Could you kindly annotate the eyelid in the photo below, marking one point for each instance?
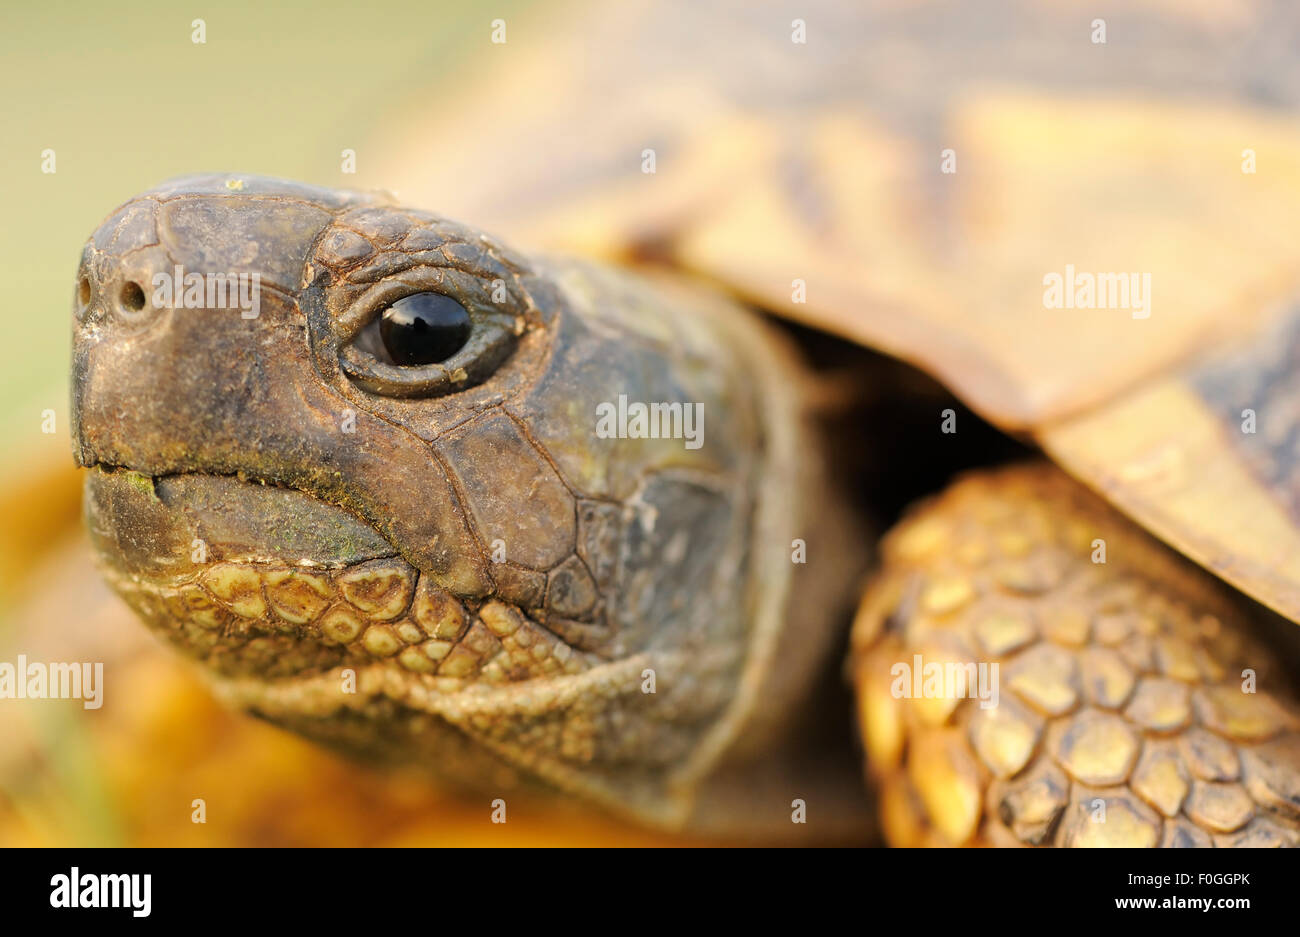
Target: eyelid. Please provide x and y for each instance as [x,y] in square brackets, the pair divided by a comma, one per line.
[365,307]
[468,290]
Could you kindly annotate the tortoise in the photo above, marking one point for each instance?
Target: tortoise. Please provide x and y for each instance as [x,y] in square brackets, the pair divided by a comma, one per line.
[600,524]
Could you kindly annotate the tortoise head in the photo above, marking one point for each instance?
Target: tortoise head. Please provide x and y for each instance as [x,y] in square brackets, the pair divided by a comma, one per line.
[361,460]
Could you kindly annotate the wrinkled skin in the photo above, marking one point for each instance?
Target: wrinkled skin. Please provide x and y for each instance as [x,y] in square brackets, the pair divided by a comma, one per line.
[448,565]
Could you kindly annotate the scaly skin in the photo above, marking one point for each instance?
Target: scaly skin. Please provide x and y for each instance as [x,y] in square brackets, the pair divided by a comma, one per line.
[1119,682]
[447,565]
[323,531]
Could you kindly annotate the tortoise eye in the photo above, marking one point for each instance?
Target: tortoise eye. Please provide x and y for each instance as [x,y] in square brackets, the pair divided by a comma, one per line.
[424,343]
[424,328]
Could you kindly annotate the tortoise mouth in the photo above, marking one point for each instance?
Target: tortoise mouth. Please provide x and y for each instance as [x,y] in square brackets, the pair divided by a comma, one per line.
[263,582]
[181,522]
[254,579]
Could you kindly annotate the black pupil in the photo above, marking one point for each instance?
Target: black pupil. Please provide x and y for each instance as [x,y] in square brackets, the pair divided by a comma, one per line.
[424,328]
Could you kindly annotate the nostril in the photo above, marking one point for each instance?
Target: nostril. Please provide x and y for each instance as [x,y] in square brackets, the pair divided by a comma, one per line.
[132,296]
[83,291]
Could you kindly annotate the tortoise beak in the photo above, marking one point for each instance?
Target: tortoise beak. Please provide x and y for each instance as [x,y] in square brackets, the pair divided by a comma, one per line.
[176,525]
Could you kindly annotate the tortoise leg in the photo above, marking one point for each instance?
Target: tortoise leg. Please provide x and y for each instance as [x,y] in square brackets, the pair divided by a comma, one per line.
[1033,669]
